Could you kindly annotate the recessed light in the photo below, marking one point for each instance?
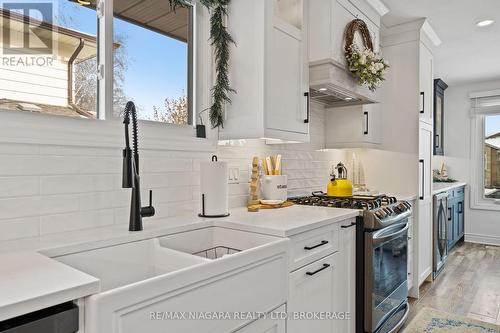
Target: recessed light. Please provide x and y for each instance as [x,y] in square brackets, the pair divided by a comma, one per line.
[348,98]
[485,23]
[322,89]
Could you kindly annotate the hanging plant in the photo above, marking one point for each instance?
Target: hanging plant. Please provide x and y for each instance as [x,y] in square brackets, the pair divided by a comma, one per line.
[367,66]
[221,40]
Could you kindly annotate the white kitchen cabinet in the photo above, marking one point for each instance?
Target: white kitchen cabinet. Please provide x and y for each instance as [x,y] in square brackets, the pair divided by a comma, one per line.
[425,240]
[269,71]
[347,274]
[426,84]
[328,20]
[324,277]
[312,289]
[354,126]
[267,325]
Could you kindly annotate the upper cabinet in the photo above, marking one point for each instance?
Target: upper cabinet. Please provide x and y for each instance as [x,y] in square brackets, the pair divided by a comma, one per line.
[439,88]
[328,20]
[358,126]
[426,71]
[351,118]
[269,71]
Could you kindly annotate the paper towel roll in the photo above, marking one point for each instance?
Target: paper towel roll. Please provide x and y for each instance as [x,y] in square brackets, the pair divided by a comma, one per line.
[214,188]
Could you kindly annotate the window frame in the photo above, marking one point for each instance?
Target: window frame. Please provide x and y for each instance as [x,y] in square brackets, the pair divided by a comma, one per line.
[478,199]
[107,131]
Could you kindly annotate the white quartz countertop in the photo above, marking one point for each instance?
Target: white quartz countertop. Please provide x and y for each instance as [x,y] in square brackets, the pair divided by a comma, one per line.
[288,221]
[443,187]
[30,280]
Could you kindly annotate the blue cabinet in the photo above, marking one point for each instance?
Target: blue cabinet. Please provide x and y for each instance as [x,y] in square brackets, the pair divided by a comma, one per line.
[456,216]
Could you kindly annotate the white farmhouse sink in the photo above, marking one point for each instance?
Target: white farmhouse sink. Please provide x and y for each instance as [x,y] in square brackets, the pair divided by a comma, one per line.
[125,264]
[214,242]
[162,275]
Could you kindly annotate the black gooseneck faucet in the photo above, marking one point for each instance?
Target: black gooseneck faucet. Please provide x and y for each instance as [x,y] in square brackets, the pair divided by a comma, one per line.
[131,177]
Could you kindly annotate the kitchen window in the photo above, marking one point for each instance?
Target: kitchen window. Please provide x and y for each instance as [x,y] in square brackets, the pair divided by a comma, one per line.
[86,59]
[486,150]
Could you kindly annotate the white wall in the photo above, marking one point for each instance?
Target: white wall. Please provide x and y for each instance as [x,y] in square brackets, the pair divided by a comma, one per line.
[480,225]
[46,189]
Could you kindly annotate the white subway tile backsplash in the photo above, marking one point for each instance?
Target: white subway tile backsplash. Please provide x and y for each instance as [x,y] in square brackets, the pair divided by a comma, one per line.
[59,165]
[18,186]
[19,165]
[19,207]
[55,204]
[77,183]
[47,189]
[162,165]
[51,224]
[20,228]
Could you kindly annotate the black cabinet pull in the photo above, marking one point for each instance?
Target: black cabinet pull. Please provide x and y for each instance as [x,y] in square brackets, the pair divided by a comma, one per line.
[325,266]
[460,207]
[422,95]
[366,123]
[315,246]
[437,141]
[449,214]
[348,226]
[423,179]
[306,95]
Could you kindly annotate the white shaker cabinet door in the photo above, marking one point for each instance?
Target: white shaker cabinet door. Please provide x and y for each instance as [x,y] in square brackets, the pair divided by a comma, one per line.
[287,101]
[347,278]
[312,290]
[424,224]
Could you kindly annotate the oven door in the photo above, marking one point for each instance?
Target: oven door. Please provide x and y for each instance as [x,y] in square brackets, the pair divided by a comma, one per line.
[386,286]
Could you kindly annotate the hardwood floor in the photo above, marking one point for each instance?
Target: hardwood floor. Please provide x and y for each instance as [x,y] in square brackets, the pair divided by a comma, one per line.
[469,285]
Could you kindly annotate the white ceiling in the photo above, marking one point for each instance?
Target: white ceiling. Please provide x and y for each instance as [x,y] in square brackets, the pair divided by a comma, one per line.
[468,53]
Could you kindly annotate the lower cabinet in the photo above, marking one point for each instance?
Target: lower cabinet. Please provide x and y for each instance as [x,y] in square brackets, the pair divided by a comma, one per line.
[266,325]
[456,218]
[347,279]
[312,290]
[326,286]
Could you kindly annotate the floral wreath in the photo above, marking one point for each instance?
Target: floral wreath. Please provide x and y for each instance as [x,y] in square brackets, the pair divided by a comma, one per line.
[368,67]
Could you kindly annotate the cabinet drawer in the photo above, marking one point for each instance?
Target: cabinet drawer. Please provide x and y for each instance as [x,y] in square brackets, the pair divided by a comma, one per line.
[458,192]
[315,244]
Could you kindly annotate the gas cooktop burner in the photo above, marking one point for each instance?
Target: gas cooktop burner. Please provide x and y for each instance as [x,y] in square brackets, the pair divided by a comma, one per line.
[355,202]
[378,211]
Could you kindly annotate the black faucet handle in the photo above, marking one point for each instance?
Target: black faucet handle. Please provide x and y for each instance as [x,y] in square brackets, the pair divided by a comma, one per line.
[148,211]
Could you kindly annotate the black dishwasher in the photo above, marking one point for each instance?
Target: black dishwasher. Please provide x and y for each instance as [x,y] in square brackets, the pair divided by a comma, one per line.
[62,318]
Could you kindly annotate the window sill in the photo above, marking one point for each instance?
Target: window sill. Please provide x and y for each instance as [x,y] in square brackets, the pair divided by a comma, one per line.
[30,128]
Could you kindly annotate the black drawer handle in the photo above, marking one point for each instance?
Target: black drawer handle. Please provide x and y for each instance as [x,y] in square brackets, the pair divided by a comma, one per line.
[325,266]
[449,214]
[306,95]
[315,246]
[422,96]
[348,226]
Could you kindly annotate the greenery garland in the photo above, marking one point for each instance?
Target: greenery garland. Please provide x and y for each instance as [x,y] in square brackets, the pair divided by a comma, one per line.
[220,40]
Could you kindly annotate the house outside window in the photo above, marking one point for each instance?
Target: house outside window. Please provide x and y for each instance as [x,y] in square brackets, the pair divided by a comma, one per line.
[486,150]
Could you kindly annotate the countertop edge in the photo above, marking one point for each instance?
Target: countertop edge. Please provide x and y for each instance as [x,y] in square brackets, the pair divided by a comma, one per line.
[446,188]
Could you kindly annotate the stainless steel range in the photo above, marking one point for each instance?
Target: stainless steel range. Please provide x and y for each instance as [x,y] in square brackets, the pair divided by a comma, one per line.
[381,258]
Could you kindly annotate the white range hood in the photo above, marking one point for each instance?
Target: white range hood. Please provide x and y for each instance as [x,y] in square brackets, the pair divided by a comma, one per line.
[332,85]
[330,81]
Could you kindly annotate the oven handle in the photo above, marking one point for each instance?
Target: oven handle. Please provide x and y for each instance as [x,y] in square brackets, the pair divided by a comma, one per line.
[398,326]
[378,240]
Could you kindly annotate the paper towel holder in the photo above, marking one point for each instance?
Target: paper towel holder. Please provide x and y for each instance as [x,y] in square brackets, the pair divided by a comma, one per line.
[202,214]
